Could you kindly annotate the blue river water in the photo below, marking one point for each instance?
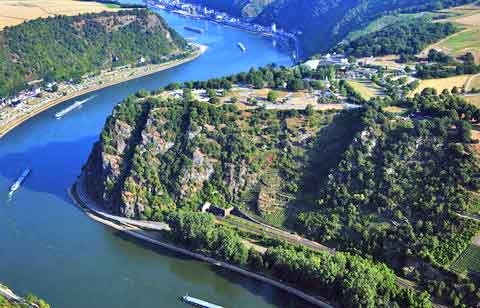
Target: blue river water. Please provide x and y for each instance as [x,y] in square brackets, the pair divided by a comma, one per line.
[50,248]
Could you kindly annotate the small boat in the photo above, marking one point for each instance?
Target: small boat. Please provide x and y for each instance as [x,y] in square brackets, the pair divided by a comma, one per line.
[242,47]
[198,302]
[73,106]
[15,186]
[194,29]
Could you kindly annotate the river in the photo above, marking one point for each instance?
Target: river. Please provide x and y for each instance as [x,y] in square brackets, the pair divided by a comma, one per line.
[49,247]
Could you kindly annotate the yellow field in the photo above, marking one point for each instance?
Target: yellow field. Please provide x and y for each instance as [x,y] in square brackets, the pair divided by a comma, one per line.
[366,88]
[474,100]
[473,83]
[14,12]
[394,109]
[443,83]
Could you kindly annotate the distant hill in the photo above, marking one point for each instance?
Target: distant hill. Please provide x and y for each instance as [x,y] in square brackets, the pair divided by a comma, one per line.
[60,48]
[323,22]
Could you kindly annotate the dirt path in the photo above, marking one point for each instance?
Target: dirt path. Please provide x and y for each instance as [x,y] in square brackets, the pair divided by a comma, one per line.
[424,53]
[469,81]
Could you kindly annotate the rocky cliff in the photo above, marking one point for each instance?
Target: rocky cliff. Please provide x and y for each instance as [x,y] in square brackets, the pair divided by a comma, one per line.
[158,153]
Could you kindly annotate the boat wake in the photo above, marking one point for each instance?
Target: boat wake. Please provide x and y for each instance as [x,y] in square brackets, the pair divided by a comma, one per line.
[72,107]
[16,185]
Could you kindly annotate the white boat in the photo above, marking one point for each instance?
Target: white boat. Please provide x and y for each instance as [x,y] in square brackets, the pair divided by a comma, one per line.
[242,47]
[73,106]
[15,186]
[198,302]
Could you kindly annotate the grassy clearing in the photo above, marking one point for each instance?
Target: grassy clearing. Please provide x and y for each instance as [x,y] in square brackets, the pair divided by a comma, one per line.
[467,40]
[474,100]
[469,261]
[462,42]
[366,88]
[14,12]
[394,109]
[442,83]
[474,83]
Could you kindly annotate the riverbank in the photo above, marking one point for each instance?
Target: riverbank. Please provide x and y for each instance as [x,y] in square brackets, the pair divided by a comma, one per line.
[135,229]
[13,298]
[131,74]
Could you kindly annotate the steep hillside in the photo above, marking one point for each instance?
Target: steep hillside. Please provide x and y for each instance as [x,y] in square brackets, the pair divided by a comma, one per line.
[159,154]
[364,181]
[60,48]
[324,23]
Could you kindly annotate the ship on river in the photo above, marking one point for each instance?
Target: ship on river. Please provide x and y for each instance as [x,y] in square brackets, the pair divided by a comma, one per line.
[194,29]
[242,47]
[16,185]
[198,302]
[73,106]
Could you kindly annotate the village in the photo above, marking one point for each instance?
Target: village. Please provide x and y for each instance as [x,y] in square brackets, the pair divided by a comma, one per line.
[41,94]
[245,23]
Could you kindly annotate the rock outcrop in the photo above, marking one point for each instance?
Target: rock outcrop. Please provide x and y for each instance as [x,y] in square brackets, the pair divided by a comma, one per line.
[159,153]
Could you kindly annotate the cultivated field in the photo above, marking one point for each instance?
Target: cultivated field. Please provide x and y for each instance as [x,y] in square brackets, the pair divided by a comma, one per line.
[366,88]
[442,83]
[14,12]
[469,261]
[467,40]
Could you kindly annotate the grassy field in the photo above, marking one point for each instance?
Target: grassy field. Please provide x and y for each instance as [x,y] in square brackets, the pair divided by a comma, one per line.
[442,83]
[462,42]
[366,88]
[394,109]
[473,83]
[474,100]
[467,40]
[469,261]
[14,12]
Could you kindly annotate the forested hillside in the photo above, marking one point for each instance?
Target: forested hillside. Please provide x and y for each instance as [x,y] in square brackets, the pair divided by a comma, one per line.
[364,181]
[60,48]
[403,38]
[324,23]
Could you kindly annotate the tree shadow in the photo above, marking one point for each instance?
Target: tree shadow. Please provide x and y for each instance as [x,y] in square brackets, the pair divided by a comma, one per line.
[270,294]
[330,144]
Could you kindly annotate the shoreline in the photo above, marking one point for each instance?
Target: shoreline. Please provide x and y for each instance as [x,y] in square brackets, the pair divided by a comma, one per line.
[161,67]
[135,231]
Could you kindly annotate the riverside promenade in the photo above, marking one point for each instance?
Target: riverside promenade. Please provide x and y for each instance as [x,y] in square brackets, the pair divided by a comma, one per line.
[137,229]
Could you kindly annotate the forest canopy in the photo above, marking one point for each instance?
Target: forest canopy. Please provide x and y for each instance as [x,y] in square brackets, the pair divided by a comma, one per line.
[63,48]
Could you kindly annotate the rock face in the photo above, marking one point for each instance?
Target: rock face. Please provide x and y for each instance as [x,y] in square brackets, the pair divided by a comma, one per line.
[159,153]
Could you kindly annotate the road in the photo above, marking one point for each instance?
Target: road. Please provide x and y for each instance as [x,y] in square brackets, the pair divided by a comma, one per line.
[133,228]
[131,225]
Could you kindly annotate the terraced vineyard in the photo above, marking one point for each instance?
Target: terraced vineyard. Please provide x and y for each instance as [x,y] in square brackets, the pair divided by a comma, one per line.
[469,261]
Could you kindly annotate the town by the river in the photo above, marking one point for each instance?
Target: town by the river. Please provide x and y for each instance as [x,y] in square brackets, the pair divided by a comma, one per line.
[49,247]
